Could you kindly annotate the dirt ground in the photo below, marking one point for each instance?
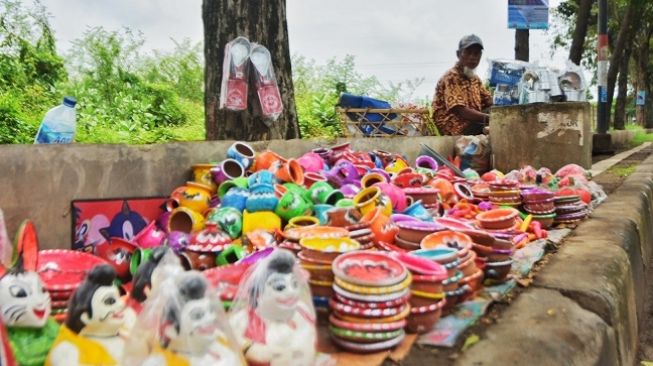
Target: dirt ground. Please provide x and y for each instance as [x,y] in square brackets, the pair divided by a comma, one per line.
[430,356]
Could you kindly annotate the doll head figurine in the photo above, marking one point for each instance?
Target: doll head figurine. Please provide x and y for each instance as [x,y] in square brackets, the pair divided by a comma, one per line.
[96,308]
[142,281]
[183,320]
[24,301]
[273,315]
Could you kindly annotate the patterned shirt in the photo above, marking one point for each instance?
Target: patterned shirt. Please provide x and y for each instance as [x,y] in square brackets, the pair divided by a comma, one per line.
[455,89]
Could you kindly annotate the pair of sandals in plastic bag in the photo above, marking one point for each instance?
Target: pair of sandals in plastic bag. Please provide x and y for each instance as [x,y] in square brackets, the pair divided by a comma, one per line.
[239,53]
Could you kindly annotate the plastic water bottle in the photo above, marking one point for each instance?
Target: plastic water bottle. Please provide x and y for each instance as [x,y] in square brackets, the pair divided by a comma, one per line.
[59,124]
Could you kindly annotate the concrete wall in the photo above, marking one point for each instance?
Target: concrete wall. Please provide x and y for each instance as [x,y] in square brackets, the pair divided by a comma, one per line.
[40,181]
[586,306]
[541,135]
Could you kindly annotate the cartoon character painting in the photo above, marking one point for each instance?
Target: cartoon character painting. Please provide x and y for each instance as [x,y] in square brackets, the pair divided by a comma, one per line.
[125,224]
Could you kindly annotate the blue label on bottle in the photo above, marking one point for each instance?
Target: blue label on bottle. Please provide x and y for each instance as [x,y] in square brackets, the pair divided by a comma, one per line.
[47,136]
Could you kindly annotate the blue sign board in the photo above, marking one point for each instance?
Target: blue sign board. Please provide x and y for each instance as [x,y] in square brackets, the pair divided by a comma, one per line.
[641,97]
[528,14]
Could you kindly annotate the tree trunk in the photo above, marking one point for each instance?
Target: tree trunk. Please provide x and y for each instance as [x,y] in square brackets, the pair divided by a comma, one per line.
[619,46]
[620,108]
[643,80]
[521,44]
[263,22]
[580,32]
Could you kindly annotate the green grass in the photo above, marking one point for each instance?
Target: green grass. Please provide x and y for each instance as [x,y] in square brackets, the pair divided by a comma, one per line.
[623,170]
[641,137]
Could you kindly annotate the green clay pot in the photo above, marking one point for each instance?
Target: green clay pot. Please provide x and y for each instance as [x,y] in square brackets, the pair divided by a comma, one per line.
[299,189]
[227,185]
[292,204]
[229,219]
[231,255]
[319,191]
[345,202]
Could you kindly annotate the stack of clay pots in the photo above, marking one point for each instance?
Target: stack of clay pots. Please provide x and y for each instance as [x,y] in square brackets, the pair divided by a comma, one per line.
[570,209]
[448,258]
[349,218]
[493,255]
[505,193]
[411,233]
[370,305]
[499,223]
[427,293]
[540,203]
[319,248]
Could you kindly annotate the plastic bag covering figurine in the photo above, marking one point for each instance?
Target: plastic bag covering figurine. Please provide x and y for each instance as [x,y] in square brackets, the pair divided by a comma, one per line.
[273,316]
[235,75]
[91,333]
[266,83]
[26,310]
[183,323]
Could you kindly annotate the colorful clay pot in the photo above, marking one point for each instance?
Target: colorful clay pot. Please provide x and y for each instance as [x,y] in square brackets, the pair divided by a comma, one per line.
[202,174]
[162,221]
[397,196]
[370,198]
[369,268]
[346,203]
[319,189]
[228,169]
[320,212]
[498,271]
[242,153]
[118,252]
[227,185]
[422,319]
[408,180]
[383,229]
[210,239]
[322,249]
[139,256]
[261,198]
[311,178]
[428,196]
[373,178]
[454,224]
[198,261]
[292,204]
[342,173]
[324,152]
[415,231]
[261,178]
[311,162]
[349,190]
[426,162]
[323,232]
[463,191]
[497,219]
[446,238]
[229,219]
[406,245]
[318,272]
[185,220]
[545,220]
[268,160]
[195,196]
[236,197]
[151,236]
[291,171]
[303,221]
[231,255]
[396,166]
[445,187]
[418,211]
[262,220]
[343,217]
[178,240]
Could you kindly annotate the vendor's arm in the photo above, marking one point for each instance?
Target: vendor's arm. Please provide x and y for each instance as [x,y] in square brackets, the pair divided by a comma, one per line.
[486,99]
[471,115]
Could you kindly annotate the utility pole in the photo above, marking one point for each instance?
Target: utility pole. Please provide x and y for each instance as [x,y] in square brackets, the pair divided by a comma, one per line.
[602,140]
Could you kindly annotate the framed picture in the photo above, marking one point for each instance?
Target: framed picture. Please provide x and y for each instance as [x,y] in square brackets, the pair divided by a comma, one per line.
[94,221]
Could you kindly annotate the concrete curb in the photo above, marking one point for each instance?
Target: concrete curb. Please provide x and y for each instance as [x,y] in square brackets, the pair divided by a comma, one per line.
[594,288]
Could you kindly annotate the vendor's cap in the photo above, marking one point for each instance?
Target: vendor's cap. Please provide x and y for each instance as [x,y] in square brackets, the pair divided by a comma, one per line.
[470,40]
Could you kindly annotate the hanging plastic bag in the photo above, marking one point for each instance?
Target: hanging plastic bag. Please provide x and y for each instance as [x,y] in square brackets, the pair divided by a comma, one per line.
[235,75]
[265,83]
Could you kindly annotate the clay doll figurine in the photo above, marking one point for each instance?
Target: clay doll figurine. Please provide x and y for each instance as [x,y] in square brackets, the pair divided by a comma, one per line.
[273,316]
[91,333]
[26,312]
[183,323]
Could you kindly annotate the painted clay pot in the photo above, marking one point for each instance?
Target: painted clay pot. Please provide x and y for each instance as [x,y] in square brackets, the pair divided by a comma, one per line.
[236,197]
[199,261]
[418,211]
[343,217]
[499,255]
[178,240]
[228,169]
[371,179]
[321,288]
[151,236]
[463,191]
[448,257]
[383,229]
[406,245]
[543,207]
[342,173]
[324,232]
[162,221]
[319,190]
[426,162]
[338,150]
[415,231]
[311,178]
[258,240]
[202,174]
[139,256]
[397,196]
[262,178]
[242,153]
[449,239]
[497,219]
[311,162]
[479,237]
[118,252]
[262,220]
[268,160]
[324,152]
[370,198]
[291,171]
[196,197]
[303,221]
[227,185]
[349,190]
[545,220]
[369,268]
[211,239]
[185,220]
[292,204]
[231,255]
[428,196]
[318,272]
[408,180]
[229,219]
[397,165]
[474,281]
[422,319]
[498,271]
[536,195]
[346,203]
[453,224]
[261,198]
[468,264]
[327,250]
[445,187]
[320,212]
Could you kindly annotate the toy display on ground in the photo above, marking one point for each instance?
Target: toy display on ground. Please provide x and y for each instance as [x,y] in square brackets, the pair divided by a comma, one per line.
[320,259]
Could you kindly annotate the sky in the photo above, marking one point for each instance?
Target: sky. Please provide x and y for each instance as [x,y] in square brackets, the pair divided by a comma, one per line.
[392,40]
